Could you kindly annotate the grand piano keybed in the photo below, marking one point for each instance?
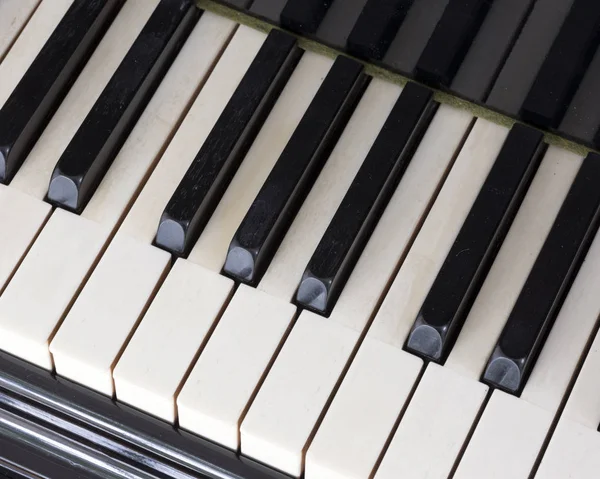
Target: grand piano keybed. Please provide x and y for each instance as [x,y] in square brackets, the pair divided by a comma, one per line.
[225,254]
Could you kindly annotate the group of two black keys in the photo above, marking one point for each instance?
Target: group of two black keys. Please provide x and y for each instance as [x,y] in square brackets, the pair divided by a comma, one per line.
[96,143]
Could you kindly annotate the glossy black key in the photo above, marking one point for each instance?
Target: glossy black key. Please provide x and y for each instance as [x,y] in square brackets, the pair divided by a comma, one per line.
[292,177]
[564,66]
[458,282]
[90,153]
[376,27]
[548,282]
[212,169]
[365,200]
[304,16]
[48,79]
[451,40]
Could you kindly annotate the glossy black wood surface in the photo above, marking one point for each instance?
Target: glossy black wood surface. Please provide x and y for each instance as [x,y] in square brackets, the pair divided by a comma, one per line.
[376,27]
[360,210]
[48,79]
[98,140]
[548,283]
[304,16]
[563,68]
[459,280]
[212,169]
[451,40]
[54,413]
[281,196]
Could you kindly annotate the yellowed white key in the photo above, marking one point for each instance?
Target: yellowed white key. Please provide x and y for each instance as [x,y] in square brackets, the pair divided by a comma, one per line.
[240,373]
[211,249]
[14,15]
[29,43]
[379,367]
[440,431]
[295,391]
[92,335]
[37,270]
[574,449]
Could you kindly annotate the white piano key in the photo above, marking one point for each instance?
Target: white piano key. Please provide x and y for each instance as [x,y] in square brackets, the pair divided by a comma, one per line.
[212,246]
[215,396]
[290,400]
[29,43]
[431,435]
[130,270]
[276,415]
[142,220]
[25,215]
[14,15]
[372,414]
[354,432]
[506,441]
[574,448]
[35,300]
[583,405]
[90,338]
[278,284]
[573,452]
[176,325]
[419,269]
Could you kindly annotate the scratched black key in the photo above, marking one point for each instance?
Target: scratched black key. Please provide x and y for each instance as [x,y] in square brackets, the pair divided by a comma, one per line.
[548,282]
[458,282]
[290,180]
[304,16]
[90,153]
[451,40]
[49,77]
[365,200]
[376,27]
[210,173]
[564,66]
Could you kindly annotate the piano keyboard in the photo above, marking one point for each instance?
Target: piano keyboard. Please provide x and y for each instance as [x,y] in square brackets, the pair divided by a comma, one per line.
[226,256]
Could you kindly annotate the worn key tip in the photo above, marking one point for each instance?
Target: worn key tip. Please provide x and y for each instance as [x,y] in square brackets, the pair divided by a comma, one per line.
[64,191]
[3,158]
[503,373]
[240,264]
[170,236]
[313,293]
[426,341]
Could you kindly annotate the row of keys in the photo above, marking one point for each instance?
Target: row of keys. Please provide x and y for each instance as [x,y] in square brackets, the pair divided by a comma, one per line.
[399,210]
[534,60]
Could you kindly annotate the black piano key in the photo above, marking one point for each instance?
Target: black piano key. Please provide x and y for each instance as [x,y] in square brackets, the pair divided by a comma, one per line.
[565,65]
[90,153]
[211,171]
[365,200]
[48,79]
[304,16]
[548,282]
[292,177]
[451,40]
[376,27]
[458,282]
